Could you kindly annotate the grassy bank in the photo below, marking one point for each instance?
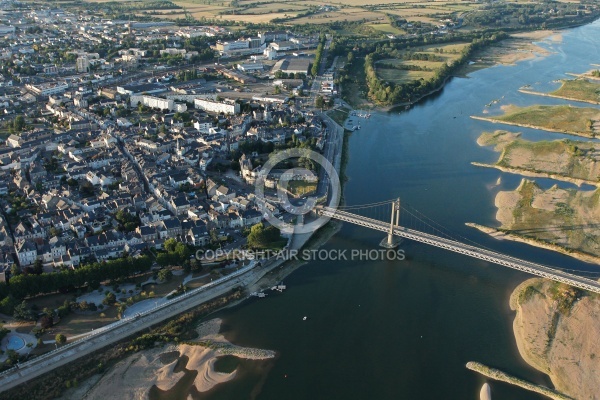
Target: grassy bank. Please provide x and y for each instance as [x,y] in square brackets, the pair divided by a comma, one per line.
[566,160]
[577,89]
[564,119]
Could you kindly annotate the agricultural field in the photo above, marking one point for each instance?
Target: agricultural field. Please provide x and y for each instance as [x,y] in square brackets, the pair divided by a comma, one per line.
[374,13]
[400,76]
[391,14]
[406,70]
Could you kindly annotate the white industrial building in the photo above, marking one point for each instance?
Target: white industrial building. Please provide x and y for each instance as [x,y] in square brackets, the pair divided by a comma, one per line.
[48,89]
[251,67]
[226,107]
[157,102]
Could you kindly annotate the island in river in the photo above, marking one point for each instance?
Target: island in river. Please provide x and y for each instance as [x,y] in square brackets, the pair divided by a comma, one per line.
[566,160]
[557,328]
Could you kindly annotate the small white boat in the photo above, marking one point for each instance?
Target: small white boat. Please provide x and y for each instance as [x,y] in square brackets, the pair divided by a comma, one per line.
[305,318]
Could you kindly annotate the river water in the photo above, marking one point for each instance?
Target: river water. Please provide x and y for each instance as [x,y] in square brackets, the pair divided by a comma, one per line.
[405,329]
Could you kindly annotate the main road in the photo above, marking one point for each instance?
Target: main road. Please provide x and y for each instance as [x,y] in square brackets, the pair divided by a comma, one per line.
[126,327]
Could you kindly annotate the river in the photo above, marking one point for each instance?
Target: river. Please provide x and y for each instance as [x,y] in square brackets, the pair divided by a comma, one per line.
[405,329]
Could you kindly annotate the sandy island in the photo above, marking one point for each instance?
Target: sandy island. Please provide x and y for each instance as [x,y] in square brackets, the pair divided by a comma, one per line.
[557,329]
[519,47]
[562,220]
[138,373]
[576,162]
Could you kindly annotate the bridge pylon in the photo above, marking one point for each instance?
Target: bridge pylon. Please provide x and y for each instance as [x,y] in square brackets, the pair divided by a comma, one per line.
[390,241]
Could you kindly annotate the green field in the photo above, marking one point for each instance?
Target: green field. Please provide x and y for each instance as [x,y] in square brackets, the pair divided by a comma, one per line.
[386,28]
[567,119]
[579,89]
[401,76]
[339,115]
[447,52]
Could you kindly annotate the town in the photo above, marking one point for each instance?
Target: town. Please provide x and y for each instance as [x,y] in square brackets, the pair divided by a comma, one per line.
[139,136]
[167,165]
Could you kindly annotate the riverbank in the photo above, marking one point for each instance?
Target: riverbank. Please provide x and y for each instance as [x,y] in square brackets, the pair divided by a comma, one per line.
[501,234]
[557,332]
[52,384]
[532,174]
[527,125]
[518,47]
[562,220]
[556,96]
[163,368]
[565,160]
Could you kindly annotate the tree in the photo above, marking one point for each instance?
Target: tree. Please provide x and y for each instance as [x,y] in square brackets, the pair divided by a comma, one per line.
[319,102]
[170,245]
[165,275]
[60,339]
[46,322]
[19,123]
[38,267]
[109,299]
[261,237]
[165,259]
[214,236]
[22,311]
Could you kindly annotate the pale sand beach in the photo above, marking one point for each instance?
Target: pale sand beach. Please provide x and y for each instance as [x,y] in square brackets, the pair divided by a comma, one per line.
[558,332]
[137,374]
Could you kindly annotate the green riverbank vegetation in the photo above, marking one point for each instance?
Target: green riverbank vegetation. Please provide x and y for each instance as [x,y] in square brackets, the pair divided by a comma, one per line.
[564,118]
[566,218]
[568,160]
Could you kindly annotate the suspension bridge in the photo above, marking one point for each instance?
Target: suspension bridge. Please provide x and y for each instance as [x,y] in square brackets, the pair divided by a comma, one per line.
[443,238]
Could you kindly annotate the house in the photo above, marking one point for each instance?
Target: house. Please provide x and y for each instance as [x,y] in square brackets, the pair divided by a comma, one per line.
[225,192]
[57,247]
[198,236]
[251,217]
[172,227]
[180,205]
[147,233]
[14,141]
[26,252]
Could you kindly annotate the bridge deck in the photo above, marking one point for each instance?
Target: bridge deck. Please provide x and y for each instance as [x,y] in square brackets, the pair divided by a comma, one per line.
[471,251]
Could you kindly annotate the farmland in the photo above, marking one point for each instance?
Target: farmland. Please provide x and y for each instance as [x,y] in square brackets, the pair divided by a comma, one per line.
[418,63]
[375,14]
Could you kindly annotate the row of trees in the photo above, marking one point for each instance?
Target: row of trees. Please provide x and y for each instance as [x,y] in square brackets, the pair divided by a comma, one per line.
[423,57]
[404,67]
[22,286]
[318,56]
